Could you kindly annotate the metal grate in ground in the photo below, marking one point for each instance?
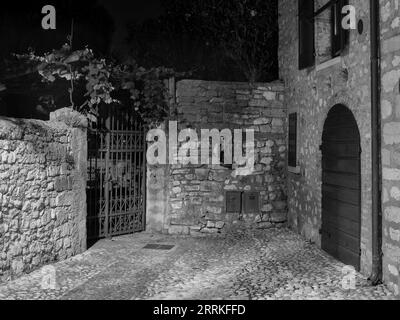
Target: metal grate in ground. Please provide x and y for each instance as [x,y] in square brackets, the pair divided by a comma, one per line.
[163,247]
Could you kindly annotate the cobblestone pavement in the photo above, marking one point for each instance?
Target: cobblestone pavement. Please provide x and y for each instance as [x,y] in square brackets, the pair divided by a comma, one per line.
[259,265]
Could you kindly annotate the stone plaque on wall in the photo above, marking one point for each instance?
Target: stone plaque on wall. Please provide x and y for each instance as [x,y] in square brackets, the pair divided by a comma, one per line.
[251,202]
[233,202]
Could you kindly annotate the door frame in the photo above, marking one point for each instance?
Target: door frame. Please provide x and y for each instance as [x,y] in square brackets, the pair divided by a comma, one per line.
[360,190]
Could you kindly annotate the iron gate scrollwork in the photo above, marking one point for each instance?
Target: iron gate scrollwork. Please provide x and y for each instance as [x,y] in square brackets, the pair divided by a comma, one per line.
[116,175]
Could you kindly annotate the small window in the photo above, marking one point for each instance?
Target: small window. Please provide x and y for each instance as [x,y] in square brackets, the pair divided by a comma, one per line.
[324,29]
[222,161]
[321,35]
[293,140]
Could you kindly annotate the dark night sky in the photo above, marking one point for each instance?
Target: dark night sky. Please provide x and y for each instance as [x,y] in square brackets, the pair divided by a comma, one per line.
[124,11]
[24,33]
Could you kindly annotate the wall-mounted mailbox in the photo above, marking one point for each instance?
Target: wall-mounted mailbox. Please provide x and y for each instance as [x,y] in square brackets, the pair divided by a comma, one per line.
[251,202]
[233,202]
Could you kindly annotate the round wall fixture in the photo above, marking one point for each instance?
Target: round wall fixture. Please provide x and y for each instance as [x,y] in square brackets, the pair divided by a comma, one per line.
[360,26]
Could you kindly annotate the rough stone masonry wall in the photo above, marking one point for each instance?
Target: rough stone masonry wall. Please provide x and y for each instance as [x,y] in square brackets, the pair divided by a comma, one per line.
[42,191]
[390,27]
[197,193]
[312,93]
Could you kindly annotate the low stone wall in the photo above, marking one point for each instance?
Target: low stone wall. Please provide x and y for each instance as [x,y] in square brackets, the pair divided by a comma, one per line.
[196,197]
[42,191]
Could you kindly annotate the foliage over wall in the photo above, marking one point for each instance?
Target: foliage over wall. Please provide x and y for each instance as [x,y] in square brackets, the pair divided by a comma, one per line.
[93,81]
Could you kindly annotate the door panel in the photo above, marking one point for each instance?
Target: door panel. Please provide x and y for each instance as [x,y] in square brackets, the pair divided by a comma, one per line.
[340,194]
[336,208]
[341,187]
[341,180]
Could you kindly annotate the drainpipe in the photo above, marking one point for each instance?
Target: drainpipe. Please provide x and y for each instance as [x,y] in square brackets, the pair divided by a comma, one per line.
[376,276]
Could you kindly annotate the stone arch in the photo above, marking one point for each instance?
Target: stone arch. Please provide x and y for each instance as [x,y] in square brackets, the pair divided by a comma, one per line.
[341,98]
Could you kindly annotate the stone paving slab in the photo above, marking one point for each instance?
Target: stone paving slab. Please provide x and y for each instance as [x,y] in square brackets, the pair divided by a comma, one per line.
[253,265]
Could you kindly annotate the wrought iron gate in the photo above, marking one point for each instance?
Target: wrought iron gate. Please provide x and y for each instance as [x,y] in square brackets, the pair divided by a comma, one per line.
[116,175]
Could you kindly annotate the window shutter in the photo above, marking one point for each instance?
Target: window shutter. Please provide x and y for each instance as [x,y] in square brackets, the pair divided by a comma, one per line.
[345,39]
[340,36]
[293,140]
[306,34]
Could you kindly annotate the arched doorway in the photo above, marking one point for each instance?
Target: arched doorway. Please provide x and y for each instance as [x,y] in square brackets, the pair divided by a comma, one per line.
[341,187]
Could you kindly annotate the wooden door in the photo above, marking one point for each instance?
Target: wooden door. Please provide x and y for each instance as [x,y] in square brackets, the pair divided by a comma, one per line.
[341,187]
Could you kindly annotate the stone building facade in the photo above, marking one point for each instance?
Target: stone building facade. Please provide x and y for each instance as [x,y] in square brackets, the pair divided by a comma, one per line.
[200,199]
[42,191]
[344,80]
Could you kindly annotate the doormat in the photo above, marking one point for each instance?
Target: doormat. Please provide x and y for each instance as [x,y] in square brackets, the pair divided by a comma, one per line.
[163,247]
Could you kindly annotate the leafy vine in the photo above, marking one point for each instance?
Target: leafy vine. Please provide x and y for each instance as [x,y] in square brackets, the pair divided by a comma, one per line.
[105,82]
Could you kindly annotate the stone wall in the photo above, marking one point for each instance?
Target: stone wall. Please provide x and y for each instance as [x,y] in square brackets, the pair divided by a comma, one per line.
[195,201]
[312,93]
[390,19]
[42,191]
